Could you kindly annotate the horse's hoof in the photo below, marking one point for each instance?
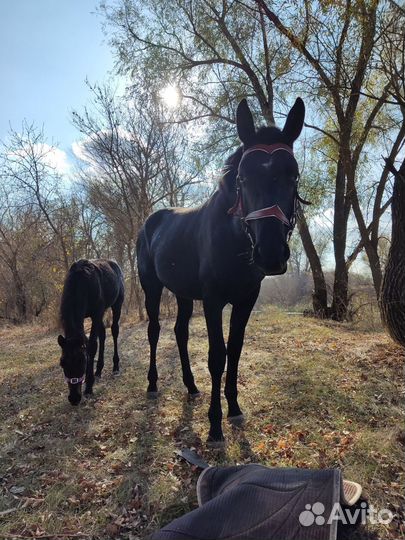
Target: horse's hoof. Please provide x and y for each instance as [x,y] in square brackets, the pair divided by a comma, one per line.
[97,378]
[152,395]
[194,395]
[237,420]
[215,443]
[116,373]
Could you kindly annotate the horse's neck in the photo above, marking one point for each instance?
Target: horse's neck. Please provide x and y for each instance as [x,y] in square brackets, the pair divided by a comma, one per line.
[73,312]
[73,328]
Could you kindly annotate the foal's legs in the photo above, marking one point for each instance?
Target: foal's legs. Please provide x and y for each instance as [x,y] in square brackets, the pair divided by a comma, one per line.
[116,312]
[100,361]
[153,293]
[239,318]
[216,365]
[91,352]
[184,312]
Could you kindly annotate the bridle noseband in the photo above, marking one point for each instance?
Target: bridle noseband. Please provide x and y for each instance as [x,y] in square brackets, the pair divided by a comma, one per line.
[270,211]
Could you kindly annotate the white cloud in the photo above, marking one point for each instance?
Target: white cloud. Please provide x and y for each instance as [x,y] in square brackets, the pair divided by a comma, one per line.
[49,155]
[79,150]
[79,147]
[56,158]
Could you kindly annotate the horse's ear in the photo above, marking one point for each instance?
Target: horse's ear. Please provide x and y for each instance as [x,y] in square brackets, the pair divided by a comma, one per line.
[295,121]
[245,123]
[61,341]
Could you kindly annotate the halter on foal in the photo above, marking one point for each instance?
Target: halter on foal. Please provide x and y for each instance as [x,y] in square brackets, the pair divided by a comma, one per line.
[221,251]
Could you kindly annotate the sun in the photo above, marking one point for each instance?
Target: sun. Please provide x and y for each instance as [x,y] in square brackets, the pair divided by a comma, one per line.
[170,96]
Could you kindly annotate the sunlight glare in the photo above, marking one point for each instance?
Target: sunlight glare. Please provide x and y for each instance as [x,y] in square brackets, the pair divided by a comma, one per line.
[170,96]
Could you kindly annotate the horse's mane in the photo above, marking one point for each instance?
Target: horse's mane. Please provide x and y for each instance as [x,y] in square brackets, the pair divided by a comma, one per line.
[229,171]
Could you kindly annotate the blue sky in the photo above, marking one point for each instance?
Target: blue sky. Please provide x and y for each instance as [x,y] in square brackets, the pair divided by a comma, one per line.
[47,49]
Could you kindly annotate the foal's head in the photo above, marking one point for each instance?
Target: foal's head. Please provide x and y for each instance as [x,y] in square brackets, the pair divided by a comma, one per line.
[73,362]
[267,182]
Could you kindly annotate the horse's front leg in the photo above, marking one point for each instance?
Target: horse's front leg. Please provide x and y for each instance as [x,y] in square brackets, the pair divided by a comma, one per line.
[185,310]
[216,365]
[100,361]
[239,318]
[91,353]
[115,330]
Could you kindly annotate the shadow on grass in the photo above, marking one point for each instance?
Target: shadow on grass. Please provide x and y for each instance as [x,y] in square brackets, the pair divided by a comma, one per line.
[148,479]
[246,452]
[306,396]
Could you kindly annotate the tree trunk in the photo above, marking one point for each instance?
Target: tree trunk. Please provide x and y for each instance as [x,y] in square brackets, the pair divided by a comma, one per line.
[340,302]
[371,248]
[20,298]
[320,294]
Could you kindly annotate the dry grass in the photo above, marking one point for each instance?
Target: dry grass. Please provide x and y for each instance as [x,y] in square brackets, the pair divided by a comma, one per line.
[316,394]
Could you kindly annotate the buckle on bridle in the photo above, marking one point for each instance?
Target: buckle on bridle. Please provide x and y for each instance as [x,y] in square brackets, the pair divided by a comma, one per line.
[75,380]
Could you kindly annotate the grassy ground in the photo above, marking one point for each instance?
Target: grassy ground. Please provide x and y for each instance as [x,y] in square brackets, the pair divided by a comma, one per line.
[316,394]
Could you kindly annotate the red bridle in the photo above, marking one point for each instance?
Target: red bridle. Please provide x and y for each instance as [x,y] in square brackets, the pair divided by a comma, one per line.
[270,211]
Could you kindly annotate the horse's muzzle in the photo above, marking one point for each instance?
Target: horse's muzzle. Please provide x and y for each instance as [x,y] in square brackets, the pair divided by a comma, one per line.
[271,265]
[75,394]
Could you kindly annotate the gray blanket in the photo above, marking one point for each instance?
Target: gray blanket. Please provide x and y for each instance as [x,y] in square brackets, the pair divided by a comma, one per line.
[260,503]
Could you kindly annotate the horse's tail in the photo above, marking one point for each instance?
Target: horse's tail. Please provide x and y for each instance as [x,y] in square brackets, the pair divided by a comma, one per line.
[143,244]
[120,274]
[143,255]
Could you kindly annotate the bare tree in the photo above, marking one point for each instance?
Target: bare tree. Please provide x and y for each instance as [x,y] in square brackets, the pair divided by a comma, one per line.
[132,162]
[27,164]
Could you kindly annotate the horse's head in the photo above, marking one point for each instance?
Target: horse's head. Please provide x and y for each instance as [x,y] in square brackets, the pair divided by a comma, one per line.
[73,362]
[267,186]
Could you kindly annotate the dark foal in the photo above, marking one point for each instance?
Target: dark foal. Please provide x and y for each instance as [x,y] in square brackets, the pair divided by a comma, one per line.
[221,251]
[90,288]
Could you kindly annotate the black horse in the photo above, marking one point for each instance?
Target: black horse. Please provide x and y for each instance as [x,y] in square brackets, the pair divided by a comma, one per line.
[221,251]
[90,288]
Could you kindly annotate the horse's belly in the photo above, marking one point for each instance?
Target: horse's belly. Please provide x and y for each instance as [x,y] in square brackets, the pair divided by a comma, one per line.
[182,280]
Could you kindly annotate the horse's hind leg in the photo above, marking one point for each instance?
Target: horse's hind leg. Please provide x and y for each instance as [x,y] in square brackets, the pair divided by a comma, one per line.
[153,293]
[185,310]
[115,329]
[100,360]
